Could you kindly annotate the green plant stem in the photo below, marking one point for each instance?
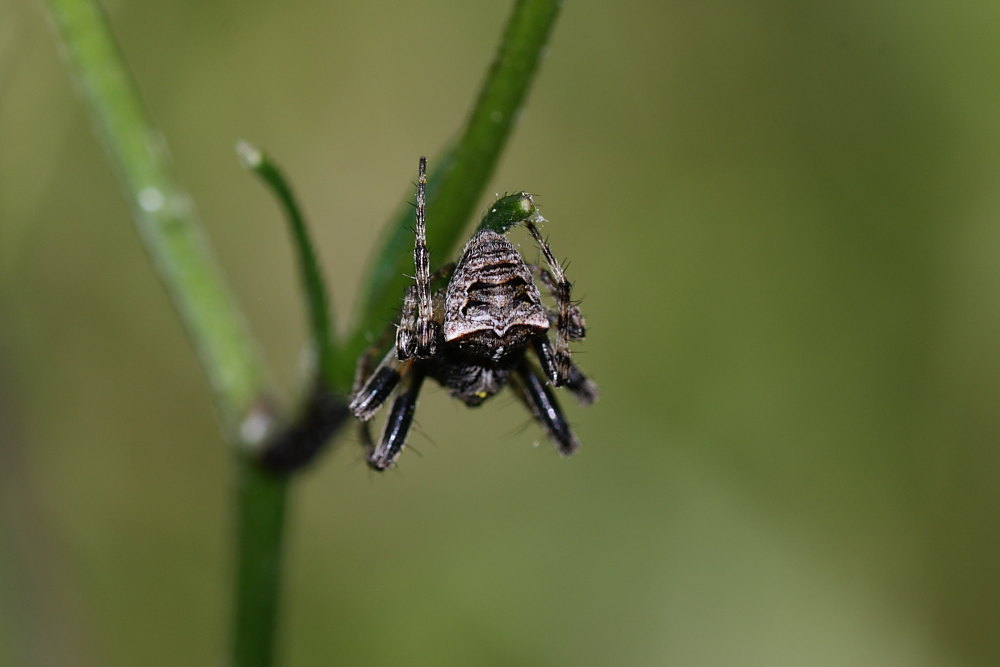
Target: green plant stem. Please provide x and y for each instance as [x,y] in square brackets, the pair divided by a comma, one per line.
[310,274]
[164,214]
[172,234]
[457,180]
[261,498]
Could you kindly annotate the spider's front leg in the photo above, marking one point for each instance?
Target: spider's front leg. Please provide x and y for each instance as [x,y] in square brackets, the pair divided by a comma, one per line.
[372,391]
[576,326]
[418,331]
[570,324]
[372,388]
[409,319]
[362,374]
[533,392]
[579,384]
[397,426]
[406,331]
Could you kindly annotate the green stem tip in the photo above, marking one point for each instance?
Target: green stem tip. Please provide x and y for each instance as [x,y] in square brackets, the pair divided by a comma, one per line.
[310,274]
[508,212]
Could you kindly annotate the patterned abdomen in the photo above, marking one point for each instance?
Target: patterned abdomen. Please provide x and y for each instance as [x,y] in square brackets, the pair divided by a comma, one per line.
[492,299]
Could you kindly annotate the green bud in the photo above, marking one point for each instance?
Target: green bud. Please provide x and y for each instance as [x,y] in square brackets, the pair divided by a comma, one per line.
[508,212]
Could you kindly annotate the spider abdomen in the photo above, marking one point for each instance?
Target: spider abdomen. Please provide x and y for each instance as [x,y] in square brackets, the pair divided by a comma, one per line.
[492,306]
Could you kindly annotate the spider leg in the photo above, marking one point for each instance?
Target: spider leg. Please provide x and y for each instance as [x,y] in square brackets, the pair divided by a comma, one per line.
[365,363]
[372,389]
[409,319]
[531,389]
[406,333]
[398,424]
[370,396]
[418,331]
[569,320]
[579,384]
[577,325]
[362,371]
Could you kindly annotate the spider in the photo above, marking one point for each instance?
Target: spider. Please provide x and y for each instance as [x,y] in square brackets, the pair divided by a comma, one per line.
[474,335]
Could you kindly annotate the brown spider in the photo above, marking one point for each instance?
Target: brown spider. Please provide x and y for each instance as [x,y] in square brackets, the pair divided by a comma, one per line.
[473,336]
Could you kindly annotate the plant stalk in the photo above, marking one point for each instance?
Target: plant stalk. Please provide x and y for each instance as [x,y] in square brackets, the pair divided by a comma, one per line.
[172,234]
[457,180]
[261,500]
[164,214]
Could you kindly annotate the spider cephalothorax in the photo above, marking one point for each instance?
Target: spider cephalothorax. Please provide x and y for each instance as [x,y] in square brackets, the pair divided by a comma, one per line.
[473,337]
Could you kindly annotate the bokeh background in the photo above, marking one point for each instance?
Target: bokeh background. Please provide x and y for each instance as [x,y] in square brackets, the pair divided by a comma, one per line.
[782,218]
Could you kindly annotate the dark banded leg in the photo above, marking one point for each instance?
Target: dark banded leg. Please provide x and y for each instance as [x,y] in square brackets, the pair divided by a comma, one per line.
[577,329]
[579,384]
[569,321]
[373,393]
[418,331]
[363,373]
[538,397]
[398,424]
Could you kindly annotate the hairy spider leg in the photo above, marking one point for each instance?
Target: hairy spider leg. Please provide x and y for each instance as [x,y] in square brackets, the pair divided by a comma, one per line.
[577,325]
[406,339]
[581,386]
[372,388]
[569,321]
[418,331]
[373,393]
[362,374]
[397,426]
[577,383]
[531,389]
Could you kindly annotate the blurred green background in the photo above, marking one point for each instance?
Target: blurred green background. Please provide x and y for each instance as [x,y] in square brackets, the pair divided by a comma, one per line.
[781,216]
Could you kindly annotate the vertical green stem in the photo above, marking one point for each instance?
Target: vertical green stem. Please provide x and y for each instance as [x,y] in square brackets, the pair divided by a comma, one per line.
[261,497]
[169,227]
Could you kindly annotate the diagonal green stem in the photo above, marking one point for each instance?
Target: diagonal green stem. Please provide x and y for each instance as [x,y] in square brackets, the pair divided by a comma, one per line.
[310,274]
[164,214]
[457,180]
